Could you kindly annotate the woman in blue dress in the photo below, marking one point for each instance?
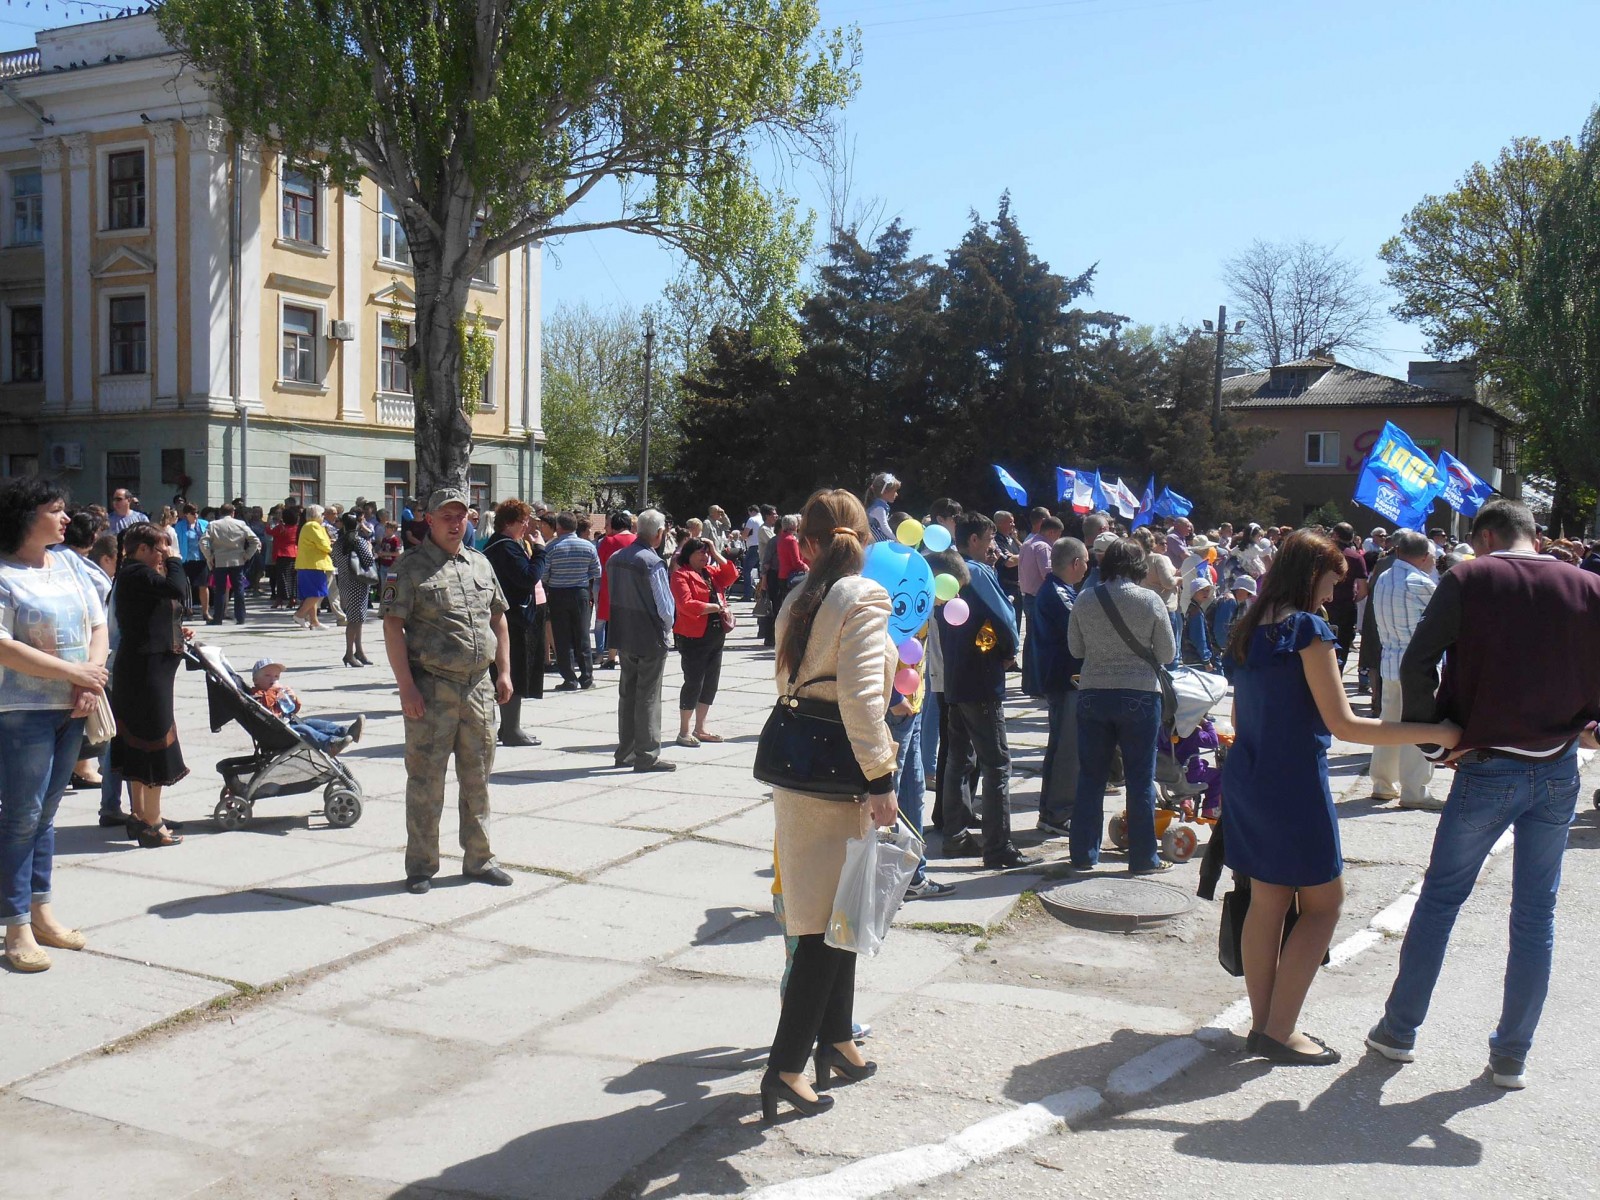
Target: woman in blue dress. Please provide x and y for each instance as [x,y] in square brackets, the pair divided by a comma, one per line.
[1279,826]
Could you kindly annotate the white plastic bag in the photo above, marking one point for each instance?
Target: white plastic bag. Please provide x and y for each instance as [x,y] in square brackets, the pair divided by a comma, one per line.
[872,886]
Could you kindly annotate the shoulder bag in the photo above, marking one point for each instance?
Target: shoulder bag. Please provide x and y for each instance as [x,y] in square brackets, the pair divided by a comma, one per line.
[1169,694]
[804,746]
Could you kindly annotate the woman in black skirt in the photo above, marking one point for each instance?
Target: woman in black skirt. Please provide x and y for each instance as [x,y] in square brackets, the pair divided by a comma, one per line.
[149,603]
[518,561]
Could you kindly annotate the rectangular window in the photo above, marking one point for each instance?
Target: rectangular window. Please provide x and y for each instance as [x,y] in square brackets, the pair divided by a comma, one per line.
[125,190]
[1322,449]
[396,485]
[486,392]
[122,473]
[480,489]
[27,344]
[392,246]
[305,479]
[394,338]
[126,315]
[300,344]
[299,207]
[485,273]
[27,208]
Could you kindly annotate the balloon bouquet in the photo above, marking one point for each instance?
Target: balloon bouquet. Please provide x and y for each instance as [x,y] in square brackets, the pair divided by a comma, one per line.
[913,590]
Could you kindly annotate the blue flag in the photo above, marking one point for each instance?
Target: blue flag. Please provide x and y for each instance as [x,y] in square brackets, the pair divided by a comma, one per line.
[1097,493]
[1463,491]
[1064,482]
[1169,504]
[1147,504]
[1397,481]
[1012,487]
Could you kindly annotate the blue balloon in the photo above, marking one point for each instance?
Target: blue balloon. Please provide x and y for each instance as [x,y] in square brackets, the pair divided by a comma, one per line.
[936,538]
[908,580]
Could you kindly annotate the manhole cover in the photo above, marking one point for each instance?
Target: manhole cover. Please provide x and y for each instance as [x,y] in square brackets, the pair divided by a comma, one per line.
[1115,902]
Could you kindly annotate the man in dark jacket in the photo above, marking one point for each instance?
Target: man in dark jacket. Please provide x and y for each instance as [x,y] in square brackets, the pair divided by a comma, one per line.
[642,613]
[1069,562]
[976,655]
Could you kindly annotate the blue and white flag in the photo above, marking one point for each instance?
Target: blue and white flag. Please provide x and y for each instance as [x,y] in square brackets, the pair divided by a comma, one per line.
[1463,491]
[1064,482]
[1147,504]
[1169,504]
[1012,487]
[1120,496]
[1397,481]
[1086,494]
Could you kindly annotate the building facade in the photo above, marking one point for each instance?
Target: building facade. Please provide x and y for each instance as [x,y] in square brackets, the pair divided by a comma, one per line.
[117,273]
[1326,416]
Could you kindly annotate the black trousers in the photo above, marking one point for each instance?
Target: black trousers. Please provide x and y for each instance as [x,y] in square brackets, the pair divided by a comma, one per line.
[818,1006]
[978,738]
[702,665]
[1342,616]
[570,609]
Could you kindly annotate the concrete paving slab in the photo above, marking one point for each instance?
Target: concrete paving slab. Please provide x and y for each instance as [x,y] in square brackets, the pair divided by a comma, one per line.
[536,1128]
[83,1002]
[375,884]
[628,805]
[242,858]
[700,871]
[567,846]
[678,1022]
[754,827]
[981,899]
[592,921]
[1087,1010]
[253,937]
[88,899]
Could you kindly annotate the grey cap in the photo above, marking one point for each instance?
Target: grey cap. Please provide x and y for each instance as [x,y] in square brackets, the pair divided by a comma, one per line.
[447,495]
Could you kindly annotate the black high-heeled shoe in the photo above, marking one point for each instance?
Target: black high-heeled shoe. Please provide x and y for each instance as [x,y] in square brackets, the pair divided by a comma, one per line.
[363,659]
[150,837]
[830,1059]
[773,1089]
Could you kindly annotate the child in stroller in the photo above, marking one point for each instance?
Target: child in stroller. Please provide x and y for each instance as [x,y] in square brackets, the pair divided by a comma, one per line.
[280,698]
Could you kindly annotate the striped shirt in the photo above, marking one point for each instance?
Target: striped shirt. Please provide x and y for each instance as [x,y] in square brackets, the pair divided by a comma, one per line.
[571,562]
[1399,600]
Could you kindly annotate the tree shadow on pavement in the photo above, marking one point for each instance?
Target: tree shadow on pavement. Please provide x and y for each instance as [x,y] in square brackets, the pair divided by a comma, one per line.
[1347,1123]
[622,1153]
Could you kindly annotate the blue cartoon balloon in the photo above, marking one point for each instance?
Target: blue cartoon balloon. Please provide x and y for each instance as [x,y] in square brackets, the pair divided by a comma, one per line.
[909,582]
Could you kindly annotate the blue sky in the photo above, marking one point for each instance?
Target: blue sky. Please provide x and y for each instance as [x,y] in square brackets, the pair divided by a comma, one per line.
[1157,137]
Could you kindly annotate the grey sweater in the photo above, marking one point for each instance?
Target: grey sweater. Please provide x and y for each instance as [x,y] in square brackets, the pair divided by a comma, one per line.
[1107,660]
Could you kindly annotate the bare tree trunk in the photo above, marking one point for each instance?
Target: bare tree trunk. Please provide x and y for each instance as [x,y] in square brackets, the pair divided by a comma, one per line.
[443,432]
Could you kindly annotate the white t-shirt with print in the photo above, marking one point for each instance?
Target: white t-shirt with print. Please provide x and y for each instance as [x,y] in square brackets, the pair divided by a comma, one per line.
[54,608]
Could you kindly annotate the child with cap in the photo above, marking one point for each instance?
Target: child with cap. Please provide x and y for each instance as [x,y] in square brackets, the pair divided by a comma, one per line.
[1225,614]
[328,736]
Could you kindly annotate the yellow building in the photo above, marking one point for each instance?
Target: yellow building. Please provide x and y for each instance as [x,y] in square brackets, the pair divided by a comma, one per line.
[117,277]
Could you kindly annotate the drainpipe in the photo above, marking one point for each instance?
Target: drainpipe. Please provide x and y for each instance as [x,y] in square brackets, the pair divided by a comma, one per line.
[235,334]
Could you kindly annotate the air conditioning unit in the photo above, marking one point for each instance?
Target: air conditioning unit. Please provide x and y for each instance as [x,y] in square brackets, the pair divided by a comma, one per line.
[341,331]
[66,456]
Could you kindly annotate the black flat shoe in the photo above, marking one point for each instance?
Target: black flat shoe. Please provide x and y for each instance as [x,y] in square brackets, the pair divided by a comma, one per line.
[1275,1051]
[1252,1042]
[498,876]
[79,782]
[830,1059]
[774,1089]
[418,885]
[965,846]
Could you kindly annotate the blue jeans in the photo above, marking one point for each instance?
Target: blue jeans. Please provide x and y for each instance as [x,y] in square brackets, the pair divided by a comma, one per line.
[1108,718]
[749,570]
[1059,782]
[932,702]
[318,732]
[910,784]
[41,748]
[1487,798]
[222,578]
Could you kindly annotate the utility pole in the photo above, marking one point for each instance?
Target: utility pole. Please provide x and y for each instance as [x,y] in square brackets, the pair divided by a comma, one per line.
[644,438]
[1222,343]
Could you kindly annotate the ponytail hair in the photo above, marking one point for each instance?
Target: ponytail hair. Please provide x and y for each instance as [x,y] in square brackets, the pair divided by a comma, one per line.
[834,525]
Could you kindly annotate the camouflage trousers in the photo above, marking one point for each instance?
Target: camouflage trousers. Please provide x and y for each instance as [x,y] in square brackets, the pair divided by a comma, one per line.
[459,719]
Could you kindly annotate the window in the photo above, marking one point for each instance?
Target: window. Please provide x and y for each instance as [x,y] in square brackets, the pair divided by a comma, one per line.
[485,273]
[305,479]
[122,472]
[299,344]
[125,190]
[396,485]
[126,319]
[392,245]
[27,208]
[27,344]
[1322,449]
[486,392]
[480,487]
[394,339]
[174,468]
[18,465]
[299,207]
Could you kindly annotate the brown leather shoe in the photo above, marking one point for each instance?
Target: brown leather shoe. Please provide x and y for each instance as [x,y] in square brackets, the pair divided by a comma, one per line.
[29,962]
[72,939]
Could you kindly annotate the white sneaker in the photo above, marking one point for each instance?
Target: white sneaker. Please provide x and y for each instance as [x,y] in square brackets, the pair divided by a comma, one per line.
[1507,1072]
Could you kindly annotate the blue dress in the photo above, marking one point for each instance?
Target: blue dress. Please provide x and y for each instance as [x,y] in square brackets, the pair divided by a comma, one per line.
[1278,820]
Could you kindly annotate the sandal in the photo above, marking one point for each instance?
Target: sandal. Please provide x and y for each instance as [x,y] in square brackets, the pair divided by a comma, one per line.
[688,739]
[707,737]
[151,837]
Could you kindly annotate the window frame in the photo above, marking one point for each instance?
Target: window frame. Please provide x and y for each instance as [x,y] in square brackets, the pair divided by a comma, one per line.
[389,220]
[484,277]
[107,155]
[480,493]
[314,477]
[1322,459]
[12,307]
[11,206]
[316,196]
[394,501]
[319,318]
[487,398]
[133,488]
[384,320]
[108,300]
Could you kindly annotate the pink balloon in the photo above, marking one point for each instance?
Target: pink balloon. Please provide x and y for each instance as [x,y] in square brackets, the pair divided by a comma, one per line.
[906,680]
[910,652]
[956,611]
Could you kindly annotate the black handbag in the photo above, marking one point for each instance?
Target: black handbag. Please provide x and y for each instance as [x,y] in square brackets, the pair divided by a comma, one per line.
[804,746]
[1234,907]
[1169,694]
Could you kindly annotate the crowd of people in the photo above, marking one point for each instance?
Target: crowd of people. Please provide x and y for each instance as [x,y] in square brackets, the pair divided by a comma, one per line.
[476,608]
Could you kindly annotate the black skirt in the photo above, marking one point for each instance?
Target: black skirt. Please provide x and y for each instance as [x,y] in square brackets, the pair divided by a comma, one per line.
[527,652]
[145,749]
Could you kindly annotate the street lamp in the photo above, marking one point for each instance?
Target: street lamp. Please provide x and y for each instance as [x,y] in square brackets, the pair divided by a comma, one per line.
[1221,330]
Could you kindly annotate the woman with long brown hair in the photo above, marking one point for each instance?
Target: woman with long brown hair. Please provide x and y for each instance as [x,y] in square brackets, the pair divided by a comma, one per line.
[833,645]
[1280,830]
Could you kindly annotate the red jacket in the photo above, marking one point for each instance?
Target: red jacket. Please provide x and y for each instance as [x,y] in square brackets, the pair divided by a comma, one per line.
[693,598]
[790,561]
[608,546]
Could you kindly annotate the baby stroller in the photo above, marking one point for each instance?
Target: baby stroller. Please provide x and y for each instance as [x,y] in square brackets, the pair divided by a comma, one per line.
[282,765]
[1188,784]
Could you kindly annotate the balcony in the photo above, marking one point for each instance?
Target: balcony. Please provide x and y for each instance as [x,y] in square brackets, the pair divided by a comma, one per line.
[16,63]
[396,408]
[124,393]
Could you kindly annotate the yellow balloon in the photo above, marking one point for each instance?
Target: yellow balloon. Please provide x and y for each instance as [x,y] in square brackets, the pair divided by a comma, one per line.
[909,533]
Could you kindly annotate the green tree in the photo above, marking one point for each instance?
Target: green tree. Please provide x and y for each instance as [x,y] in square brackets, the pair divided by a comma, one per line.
[593,376]
[494,124]
[1554,338]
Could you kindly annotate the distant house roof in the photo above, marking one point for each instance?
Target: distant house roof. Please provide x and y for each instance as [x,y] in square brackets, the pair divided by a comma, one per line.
[1324,383]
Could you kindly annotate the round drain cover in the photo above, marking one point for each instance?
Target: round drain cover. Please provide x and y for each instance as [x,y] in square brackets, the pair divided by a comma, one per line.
[1115,902]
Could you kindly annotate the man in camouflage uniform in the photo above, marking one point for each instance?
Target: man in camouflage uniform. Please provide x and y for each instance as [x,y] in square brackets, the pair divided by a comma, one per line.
[444,621]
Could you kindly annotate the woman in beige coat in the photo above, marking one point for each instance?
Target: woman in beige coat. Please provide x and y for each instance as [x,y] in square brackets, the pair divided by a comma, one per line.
[836,628]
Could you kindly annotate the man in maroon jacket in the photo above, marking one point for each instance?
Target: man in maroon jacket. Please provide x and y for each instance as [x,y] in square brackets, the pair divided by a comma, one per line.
[1522,679]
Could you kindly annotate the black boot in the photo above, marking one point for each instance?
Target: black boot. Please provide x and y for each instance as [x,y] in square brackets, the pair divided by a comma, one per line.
[511,725]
